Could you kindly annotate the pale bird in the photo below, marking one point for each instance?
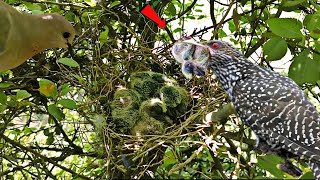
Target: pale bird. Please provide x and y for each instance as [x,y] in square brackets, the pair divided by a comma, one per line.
[24,35]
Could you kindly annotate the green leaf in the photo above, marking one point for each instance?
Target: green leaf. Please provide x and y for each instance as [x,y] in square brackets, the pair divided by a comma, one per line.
[236,19]
[67,103]
[286,27]
[47,88]
[46,132]
[3,98]
[2,108]
[177,30]
[79,78]
[275,49]
[190,17]
[208,155]
[303,69]
[232,26]
[65,89]
[5,85]
[57,131]
[315,5]
[307,175]
[171,9]
[104,35]
[221,33]
[115,3]
[12,102]
[317,46]
[312,22]
[243,2]
[269,163]
[266,14]
[253,17]
[55,112]
[28,130]
[169,158]
[50,139]
[32,6]
[269,35]
[92,3]
[22,94]
[289,3]
[37,12]
[68,62]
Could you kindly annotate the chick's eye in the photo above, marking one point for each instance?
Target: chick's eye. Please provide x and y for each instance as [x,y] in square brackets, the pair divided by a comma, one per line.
[66,35]
[215,45]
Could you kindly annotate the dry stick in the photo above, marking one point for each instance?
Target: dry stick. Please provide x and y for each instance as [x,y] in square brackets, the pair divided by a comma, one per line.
[220,116]
[182,165]
[213,19]
[223,18]
[60,4]
[148,150]
[217,163]
[177,17]
[14,143]
[262,40]
[242,14]
[183,12]
[16,168]
[227,108]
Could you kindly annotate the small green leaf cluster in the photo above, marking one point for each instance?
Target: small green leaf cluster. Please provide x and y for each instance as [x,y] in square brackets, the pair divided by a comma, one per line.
[291,33]
[150,104]
[49,89]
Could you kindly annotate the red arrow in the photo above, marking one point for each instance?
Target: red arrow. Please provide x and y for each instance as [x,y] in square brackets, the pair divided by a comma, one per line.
[151,14]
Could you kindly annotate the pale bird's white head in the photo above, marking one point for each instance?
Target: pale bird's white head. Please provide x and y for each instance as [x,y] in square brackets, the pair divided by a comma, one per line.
[62,31]
[24,35]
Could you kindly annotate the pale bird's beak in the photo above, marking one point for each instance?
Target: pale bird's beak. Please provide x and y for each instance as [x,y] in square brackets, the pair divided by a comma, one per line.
[70,50]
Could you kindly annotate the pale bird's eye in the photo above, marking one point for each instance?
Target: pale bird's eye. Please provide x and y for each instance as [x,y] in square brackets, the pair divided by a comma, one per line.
[66,35]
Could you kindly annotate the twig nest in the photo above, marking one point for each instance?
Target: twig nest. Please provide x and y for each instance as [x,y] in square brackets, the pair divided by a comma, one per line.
[152,103]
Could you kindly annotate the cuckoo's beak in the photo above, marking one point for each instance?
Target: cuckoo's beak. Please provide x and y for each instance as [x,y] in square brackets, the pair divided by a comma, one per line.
[191,41]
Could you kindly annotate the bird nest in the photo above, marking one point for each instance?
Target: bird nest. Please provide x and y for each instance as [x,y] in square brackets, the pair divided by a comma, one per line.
[146,117]
[142,112]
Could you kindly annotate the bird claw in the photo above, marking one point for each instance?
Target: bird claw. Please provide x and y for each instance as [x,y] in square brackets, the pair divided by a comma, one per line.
[291,169]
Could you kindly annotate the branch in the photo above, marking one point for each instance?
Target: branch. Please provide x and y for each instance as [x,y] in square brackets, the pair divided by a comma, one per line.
[14,143]
[65,136]
[170,34]
[60,4]
[74,152]
[223,18]
[183,12]
[183,164]
[228,19]
[213,19]
[255,47]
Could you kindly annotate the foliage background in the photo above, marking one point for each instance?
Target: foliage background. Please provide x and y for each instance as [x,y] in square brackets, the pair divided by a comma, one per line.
[54,111]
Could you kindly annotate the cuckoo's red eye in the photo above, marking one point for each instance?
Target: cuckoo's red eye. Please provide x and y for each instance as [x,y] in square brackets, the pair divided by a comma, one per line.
[215,45]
